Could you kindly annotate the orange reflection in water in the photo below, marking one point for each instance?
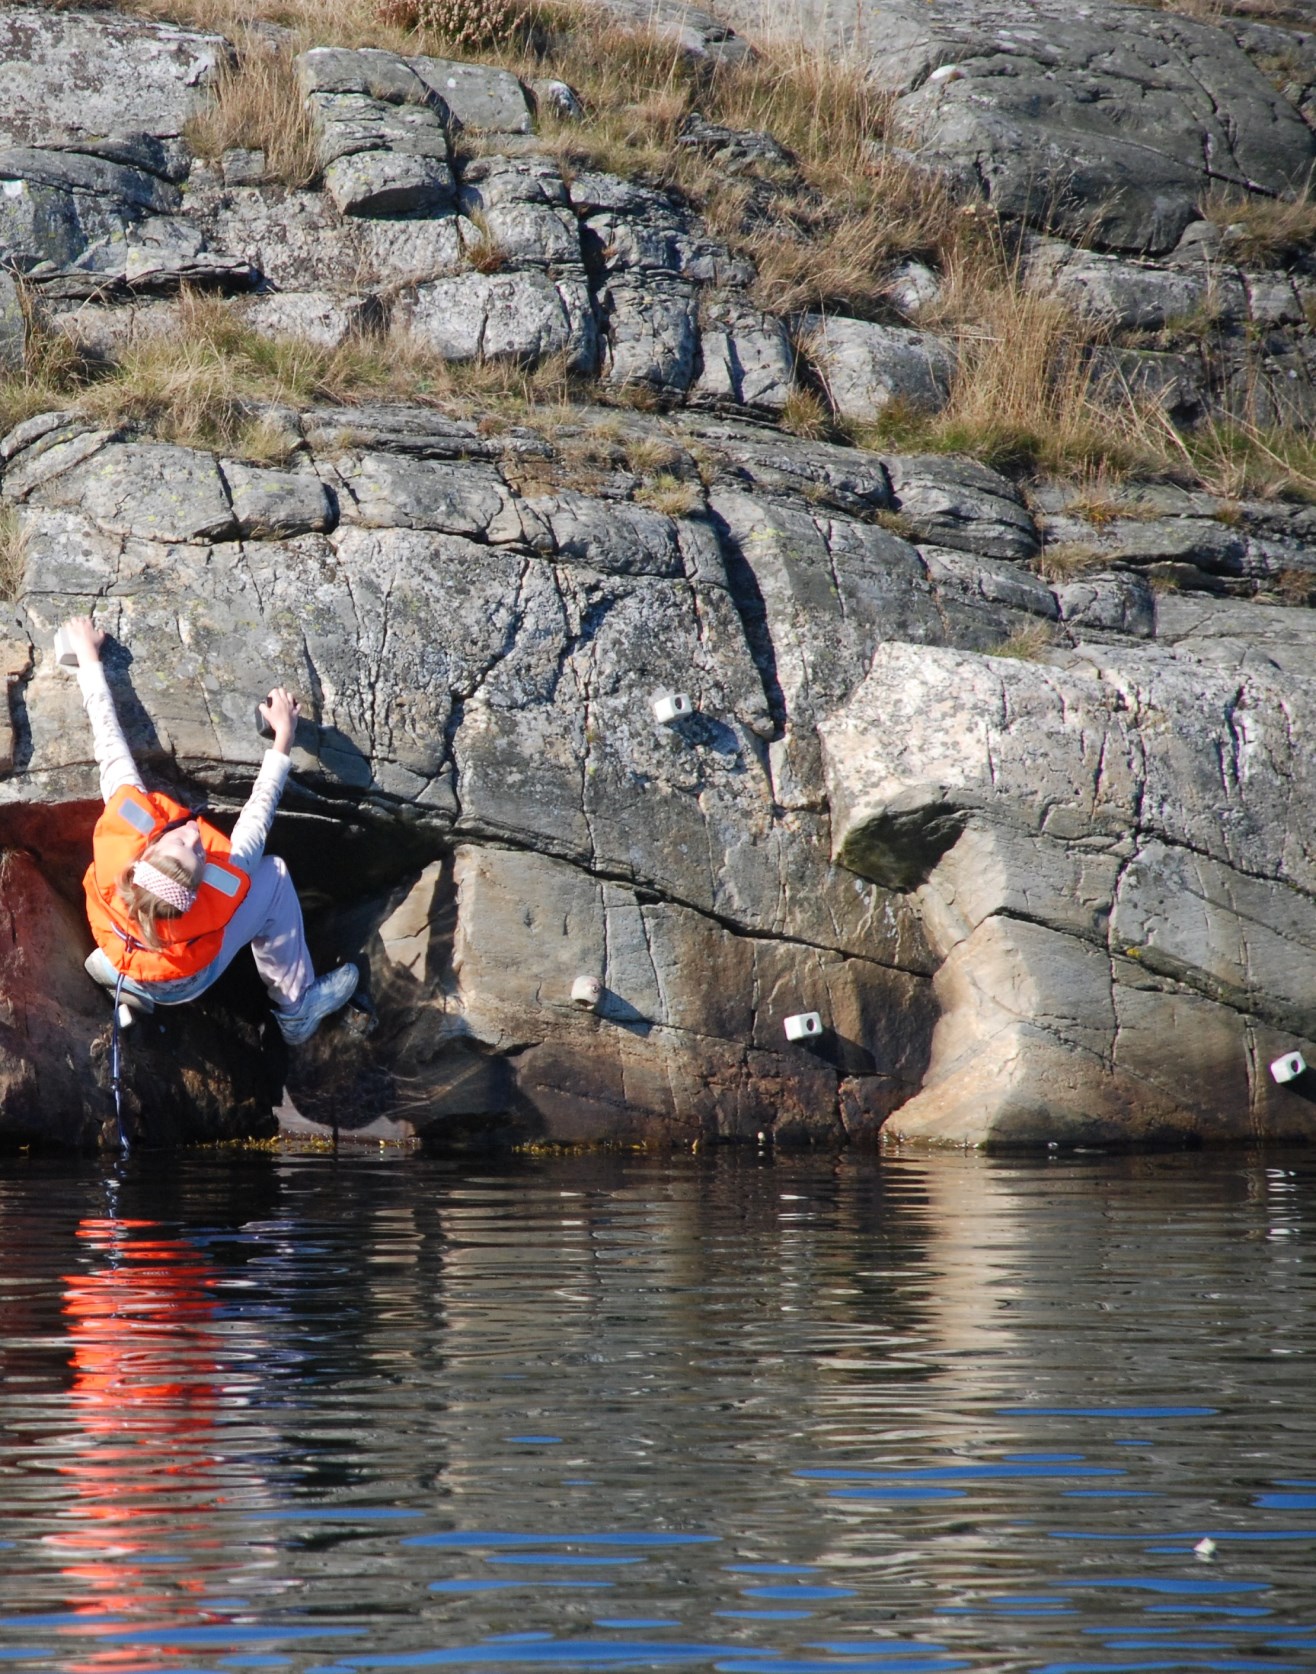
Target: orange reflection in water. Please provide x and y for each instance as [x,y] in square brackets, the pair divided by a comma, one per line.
[141,1463]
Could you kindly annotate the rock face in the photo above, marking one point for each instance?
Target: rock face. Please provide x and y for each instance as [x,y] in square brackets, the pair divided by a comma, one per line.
[1106,860]
[1062,894]
[1104,122]
[485,662]
[73,76]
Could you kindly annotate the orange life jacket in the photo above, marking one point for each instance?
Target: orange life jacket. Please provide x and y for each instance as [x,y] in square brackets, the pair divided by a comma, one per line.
[133,819]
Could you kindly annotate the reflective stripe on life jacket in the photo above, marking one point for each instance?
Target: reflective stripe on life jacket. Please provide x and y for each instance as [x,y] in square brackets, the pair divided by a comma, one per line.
[131,821]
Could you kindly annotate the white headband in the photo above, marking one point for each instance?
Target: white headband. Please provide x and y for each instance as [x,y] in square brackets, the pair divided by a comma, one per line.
[152,878]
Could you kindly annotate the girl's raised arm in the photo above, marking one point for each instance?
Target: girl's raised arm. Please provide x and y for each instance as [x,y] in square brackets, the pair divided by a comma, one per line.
[113,757]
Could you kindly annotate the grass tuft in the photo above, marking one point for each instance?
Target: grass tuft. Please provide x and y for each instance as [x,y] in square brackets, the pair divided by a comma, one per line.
[1264,232]
[258,106]
[1067,560]
[485,253]
[668,494]
[1028,643]
[13,553]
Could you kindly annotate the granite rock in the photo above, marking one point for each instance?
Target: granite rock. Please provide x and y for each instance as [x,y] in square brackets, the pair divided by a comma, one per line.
[1105,123]
[865,367]
[76,74]
[1092,893]
[513,315]
[13,325]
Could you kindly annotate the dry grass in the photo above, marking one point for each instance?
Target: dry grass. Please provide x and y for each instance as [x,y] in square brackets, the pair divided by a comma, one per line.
[896,523]
[499,29]
[825,236]
[485,253]
[822,235]
[1067,560]
[1264,232]
[53,368]
[1028,643]
[13,553]
[258,107]
[1294,587]
[212,381]
[468,25]
[1097,502]
[668,494]
[645,455]
[1023,396]
[1237,460]
[807,415]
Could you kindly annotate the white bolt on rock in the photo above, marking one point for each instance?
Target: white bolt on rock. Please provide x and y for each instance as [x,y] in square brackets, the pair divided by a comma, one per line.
[64,652]
[1289,1067]
[673,707]
[587,993]
[805,1025]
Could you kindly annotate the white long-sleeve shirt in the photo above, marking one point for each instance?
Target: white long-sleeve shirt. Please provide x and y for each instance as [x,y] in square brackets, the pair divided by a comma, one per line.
[117,768]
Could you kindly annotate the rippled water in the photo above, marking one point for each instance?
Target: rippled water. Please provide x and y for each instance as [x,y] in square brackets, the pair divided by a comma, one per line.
[738,1414]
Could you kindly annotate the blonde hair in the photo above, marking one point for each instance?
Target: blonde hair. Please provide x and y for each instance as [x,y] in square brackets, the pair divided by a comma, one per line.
[145,908]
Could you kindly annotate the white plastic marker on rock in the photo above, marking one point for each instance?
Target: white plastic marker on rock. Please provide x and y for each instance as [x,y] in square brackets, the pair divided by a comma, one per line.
[805,1025]
[672,707]
[1289,1067]
[587,993]
[64,652]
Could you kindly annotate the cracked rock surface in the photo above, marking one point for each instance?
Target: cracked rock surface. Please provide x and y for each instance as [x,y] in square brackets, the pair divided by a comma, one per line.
[1060,895]
[1102,121]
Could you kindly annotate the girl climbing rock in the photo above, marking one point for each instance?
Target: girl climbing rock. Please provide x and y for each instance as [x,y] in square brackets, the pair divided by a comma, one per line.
[171,899]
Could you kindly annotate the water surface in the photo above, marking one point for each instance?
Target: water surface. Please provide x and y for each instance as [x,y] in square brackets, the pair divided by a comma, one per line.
[744,1414]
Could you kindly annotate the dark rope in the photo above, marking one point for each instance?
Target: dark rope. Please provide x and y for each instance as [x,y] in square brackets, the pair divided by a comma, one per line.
[116,1067]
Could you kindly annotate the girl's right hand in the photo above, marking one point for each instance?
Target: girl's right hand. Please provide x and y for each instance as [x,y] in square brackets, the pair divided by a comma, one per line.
[281,710]
[85,638]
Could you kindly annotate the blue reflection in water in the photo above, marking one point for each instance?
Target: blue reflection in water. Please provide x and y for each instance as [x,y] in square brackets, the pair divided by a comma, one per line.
[798,1592]
[461,1538]
[581,1653]
[591,1558]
